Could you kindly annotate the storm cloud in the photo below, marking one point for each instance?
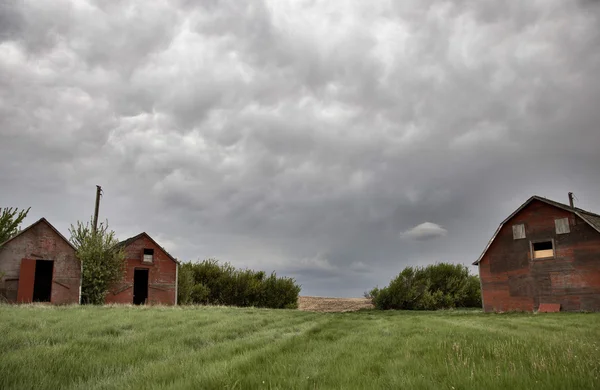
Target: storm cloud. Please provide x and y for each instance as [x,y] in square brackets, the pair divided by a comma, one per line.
[303,137]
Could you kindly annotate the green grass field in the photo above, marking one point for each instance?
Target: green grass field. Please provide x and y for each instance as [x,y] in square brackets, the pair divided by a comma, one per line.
[227,348]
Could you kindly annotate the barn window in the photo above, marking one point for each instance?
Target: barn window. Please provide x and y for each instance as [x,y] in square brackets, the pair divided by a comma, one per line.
[148,255]
[562,225]
[518,231]
[543,249]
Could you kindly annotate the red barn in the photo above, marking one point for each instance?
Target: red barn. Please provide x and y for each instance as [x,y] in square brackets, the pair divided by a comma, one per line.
[151,274]
[544,254]
[39,265]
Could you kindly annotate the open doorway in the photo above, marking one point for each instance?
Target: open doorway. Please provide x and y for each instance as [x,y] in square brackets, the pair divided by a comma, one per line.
[140,286]
[42,285]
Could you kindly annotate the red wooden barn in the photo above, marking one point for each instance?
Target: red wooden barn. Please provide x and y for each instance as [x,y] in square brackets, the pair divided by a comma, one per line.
[151,274]
[39,265]
[544,256]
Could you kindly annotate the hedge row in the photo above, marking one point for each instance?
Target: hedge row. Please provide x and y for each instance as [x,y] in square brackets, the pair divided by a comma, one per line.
[209,282]
[438,286]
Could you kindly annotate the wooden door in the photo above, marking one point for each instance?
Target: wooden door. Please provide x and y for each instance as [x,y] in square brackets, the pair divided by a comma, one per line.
[26,281]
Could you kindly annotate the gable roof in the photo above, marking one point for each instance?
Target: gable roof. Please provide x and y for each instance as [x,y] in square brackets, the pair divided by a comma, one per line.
[41,220]
[130,240]
[590,218]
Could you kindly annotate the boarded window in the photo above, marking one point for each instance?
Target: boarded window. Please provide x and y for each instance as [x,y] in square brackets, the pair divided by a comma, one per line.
[148,255]
[543,249]
[518,231]
[562,226]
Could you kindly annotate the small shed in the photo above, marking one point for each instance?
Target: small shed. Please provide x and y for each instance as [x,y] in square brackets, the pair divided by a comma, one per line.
[151,274]
[545,256]
[40,265]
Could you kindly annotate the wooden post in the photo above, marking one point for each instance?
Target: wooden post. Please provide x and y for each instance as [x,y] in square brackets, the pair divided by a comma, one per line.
[98,194]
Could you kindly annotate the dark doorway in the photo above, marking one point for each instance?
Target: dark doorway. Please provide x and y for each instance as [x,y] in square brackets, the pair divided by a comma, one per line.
[42,285]
[140,286]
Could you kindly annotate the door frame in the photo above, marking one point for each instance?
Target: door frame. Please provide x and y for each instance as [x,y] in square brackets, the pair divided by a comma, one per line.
[147,269]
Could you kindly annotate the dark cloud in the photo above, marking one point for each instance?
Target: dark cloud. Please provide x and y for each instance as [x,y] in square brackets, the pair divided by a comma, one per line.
[303,138]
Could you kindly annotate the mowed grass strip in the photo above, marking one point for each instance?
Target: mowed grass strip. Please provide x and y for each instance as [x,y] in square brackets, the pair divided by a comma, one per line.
[224,348]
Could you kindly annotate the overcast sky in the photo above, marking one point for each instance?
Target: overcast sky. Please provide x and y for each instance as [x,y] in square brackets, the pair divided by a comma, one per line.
[335,142]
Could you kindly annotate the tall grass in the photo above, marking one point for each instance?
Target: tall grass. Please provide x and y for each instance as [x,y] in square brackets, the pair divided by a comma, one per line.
[215,347]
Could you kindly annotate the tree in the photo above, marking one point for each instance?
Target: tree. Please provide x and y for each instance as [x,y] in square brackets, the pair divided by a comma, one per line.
[103,263]
[10,219]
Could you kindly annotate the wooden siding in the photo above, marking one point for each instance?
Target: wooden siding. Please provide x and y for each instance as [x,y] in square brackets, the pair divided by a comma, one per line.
[512,279]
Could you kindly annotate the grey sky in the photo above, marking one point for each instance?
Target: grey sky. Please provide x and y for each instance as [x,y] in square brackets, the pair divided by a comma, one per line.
[333,141]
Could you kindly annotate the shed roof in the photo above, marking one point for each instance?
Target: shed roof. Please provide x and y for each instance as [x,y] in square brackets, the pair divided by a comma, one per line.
[130,240]
[41,220]
[590,218]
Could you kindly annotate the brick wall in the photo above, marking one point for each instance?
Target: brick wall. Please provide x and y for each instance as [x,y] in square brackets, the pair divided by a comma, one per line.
[512,280]
[161,278]
[40,242]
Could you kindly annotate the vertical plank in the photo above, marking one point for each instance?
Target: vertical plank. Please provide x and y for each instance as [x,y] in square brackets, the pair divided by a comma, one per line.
[26,280]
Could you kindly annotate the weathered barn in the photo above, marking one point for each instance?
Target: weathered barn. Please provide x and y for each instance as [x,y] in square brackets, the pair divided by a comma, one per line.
[544,253]
[151,274]
[40,265]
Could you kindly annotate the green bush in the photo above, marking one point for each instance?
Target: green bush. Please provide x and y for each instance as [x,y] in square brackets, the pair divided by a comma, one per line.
[185,284]
[223,284]
[438,286]
[103,264]
[200,294]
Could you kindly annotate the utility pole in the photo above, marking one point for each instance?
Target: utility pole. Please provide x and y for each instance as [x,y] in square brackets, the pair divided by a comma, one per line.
[98,195]
[571,200]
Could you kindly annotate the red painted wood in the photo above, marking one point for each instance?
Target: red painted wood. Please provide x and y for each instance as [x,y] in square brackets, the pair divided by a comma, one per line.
[512,280]
[162,277]
[26,280]
[549,308]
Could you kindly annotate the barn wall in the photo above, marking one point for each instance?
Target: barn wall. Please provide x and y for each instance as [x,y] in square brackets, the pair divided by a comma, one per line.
[512,280]
[161,280]
[41,242]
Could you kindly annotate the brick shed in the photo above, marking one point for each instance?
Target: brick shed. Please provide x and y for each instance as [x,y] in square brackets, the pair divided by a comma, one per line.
[151,275]
[40,265]
[545,253]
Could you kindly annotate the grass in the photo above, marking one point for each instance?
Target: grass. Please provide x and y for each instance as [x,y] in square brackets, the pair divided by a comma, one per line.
[231,348]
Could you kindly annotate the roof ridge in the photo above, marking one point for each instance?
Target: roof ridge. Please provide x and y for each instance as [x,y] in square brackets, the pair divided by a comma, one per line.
[574,208]
[43,219]
[132,239]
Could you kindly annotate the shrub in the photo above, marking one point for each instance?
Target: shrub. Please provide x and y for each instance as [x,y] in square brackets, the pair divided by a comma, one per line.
[185,283]
[433,287]
[103,264]
[199,294]
[473,293]
[2,292]
[223,284]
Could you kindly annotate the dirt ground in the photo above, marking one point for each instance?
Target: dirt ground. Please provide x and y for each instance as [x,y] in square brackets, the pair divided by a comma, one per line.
[330,305]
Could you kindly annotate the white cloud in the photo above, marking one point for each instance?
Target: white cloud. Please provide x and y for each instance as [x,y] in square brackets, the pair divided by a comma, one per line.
[425,231]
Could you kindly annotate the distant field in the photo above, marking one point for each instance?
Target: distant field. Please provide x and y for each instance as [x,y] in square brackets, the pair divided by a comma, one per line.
[229,348]
[333,305]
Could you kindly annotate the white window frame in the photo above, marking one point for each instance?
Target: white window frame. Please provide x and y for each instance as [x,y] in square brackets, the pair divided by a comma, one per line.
[551,240]
[147,259]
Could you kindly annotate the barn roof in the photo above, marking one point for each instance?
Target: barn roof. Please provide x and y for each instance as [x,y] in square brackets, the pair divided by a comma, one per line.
[590,218]
[130,240]
[41,220]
